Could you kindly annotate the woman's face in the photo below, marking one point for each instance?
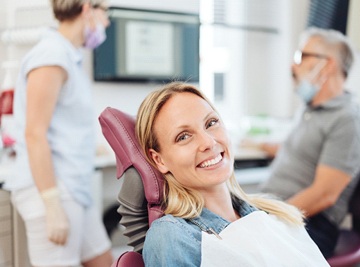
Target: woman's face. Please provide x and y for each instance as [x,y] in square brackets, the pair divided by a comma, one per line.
[100,16]
[194,145]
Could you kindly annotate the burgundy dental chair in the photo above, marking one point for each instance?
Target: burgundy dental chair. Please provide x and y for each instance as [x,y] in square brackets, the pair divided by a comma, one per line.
[140,195]
[347,251]
[138,210]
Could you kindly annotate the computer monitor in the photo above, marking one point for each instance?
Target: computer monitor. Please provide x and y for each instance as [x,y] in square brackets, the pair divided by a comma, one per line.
[149,46]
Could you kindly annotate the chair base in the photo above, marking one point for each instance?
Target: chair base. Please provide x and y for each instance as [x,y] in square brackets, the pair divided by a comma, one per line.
[347,251]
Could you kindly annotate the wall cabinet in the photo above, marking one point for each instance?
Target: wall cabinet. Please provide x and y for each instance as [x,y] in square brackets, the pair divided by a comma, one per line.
[13,246]
[6,230]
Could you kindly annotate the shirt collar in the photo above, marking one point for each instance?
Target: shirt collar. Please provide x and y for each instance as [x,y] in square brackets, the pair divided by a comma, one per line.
[208,219]
[335,102]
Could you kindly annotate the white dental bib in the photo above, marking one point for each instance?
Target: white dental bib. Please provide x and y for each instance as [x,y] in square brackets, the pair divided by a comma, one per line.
[260,240]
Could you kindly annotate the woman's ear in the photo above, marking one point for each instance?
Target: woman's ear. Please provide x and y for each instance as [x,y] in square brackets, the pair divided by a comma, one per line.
[158,161]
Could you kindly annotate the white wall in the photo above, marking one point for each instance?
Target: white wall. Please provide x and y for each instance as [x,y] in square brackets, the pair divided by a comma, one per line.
[255,56]
[354,22]
[270,56]
[353,31]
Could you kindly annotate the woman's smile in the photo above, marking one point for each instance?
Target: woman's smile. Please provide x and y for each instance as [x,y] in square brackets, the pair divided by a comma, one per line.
[211,162]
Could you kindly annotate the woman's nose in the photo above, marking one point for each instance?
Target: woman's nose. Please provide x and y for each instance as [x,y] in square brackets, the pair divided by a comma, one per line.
[107,22]
[206,141]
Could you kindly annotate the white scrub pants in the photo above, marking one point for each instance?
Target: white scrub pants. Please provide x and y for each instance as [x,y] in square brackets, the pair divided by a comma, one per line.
[87,236]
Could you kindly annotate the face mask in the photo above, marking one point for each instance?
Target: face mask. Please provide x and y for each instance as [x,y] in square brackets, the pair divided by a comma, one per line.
[94,38]
[307,90]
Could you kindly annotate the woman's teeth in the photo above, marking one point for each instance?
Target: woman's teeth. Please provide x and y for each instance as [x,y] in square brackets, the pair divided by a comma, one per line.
[211,162]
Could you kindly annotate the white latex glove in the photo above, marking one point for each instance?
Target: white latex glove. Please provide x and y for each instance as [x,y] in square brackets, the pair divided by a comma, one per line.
[57,224]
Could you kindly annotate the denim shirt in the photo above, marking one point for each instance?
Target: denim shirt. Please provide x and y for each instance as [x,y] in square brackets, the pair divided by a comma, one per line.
[173,241]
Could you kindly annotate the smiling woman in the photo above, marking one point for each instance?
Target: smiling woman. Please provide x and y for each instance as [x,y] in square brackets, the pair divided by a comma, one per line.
[207,213]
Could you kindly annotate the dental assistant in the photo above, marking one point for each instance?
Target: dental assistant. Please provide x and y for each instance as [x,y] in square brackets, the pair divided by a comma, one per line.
[55,148]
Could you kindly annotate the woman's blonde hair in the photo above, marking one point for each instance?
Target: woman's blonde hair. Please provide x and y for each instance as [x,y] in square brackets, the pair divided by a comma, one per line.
[185,202]
[70,9]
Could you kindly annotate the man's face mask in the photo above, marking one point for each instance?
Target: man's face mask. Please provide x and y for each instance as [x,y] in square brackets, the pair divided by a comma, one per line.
[307,88]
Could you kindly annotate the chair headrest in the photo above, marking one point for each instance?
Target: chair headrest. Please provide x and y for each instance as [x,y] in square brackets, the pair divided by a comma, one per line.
[119,130]
[354,205]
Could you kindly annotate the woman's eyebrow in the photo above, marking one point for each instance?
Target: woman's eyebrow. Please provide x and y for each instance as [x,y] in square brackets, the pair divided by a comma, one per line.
[210,114]
[184,126]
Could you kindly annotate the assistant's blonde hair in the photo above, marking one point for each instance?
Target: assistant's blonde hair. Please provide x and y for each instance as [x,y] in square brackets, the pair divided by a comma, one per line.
[70,9]
[186,202]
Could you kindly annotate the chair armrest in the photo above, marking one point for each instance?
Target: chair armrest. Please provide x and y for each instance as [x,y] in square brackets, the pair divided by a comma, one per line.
[129,259]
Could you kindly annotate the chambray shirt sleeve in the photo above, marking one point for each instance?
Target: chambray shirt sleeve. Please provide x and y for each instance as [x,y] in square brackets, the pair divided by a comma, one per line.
[171,244]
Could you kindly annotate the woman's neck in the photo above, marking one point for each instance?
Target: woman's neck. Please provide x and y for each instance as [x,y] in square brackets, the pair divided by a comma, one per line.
[72,30]
[220,202]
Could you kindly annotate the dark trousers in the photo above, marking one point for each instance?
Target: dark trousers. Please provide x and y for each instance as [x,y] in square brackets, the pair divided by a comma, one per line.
[324,233]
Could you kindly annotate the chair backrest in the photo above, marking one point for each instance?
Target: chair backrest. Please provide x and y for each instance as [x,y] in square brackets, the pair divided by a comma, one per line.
[119,130]
[347,251]
[354,208]
[133,209]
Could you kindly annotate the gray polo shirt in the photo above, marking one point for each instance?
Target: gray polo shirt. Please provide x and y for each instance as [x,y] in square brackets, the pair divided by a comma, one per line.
[328,134]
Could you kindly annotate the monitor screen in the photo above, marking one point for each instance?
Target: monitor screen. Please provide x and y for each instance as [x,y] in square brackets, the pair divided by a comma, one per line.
[149,46]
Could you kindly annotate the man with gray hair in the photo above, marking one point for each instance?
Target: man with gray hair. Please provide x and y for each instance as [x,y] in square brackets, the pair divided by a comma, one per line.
[316,167]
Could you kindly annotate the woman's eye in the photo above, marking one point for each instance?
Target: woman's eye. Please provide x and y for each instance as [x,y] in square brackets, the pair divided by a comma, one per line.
[182,137]
[212,122]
